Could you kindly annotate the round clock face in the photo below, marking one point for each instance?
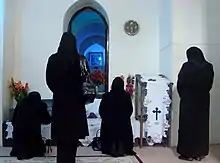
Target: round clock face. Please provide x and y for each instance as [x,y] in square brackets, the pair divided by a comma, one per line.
[131,27]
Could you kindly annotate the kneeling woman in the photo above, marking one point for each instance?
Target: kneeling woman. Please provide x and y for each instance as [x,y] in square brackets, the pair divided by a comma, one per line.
[28,116]
[115,110]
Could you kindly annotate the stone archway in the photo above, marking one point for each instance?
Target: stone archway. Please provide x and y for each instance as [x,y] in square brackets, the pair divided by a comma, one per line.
[73,13]
[78,6]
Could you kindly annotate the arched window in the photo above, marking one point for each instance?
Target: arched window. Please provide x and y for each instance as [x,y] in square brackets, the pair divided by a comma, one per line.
[91,31]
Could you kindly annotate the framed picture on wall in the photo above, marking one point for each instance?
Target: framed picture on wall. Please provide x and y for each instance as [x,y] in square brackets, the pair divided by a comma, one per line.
[96,59]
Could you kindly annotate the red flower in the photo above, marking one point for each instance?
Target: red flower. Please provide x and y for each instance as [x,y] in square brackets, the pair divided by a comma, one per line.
[97,77]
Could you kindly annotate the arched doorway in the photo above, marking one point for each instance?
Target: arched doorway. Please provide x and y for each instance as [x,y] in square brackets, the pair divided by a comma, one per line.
[91,29]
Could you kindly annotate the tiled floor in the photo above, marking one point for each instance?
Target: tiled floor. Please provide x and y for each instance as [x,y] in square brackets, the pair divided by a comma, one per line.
[153,154]
[78,160]
[168,155]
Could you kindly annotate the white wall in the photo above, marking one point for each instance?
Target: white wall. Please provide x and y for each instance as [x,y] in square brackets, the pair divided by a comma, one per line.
[197,23]
[38,26]
[1,59]
[165,38]
[212,50]
[42,26]
[10,12]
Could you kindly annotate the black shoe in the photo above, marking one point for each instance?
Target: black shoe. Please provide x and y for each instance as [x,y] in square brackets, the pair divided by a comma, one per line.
[24,157]
[185,158]
[199,158]
[131,153]
[105,152]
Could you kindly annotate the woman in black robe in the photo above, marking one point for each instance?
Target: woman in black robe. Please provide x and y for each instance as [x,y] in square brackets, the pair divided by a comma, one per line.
[28,117]
[63,77]
[116,131]
[194,83]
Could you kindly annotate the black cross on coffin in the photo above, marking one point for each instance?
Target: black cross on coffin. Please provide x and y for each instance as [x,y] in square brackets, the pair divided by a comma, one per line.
[157,111]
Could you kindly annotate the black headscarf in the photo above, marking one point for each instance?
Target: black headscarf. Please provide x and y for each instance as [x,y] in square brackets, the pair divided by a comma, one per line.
[34,97]
[67,47]
[118,84]
[195,55]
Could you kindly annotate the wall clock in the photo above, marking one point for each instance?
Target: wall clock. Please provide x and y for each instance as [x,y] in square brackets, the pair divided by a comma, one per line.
[131,27]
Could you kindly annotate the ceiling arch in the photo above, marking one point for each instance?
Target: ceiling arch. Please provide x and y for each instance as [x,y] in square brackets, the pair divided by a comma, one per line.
[88,31]
[84,18]
[93,48]
[88,28]
[95,39]
[86,23]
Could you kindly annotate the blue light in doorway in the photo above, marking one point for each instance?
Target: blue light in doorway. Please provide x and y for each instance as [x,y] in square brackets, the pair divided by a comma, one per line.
[96,59]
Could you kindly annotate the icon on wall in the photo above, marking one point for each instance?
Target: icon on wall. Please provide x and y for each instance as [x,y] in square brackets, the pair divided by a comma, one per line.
[131,28]
[96,59]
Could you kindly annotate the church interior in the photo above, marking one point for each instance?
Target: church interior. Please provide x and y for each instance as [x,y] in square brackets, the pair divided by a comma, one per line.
[141,38]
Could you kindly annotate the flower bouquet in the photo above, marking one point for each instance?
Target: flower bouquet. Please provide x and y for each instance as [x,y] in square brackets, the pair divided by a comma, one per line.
[130,85]
[18,90]
[97,77]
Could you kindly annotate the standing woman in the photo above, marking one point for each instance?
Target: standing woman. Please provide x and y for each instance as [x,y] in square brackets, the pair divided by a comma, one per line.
[63,77]
[194,83]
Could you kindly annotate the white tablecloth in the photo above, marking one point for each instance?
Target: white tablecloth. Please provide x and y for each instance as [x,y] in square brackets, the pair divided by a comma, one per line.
[94,125]
[45,131]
